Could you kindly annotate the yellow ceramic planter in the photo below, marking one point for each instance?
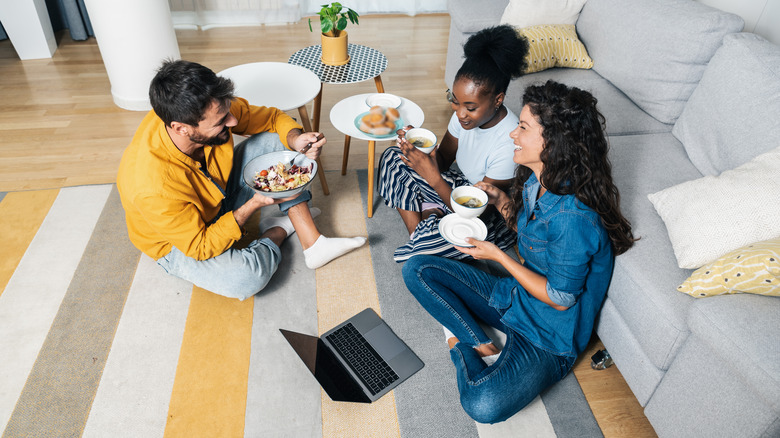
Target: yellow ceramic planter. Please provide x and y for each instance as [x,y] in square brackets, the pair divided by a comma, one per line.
[334,49]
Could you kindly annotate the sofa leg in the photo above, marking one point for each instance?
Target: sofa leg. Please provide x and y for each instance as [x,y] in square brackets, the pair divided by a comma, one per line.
[601,360]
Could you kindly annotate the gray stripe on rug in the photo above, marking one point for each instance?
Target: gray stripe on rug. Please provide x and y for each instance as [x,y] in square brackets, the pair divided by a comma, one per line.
[62,384]
[2,195]
[428,404]
[569,411]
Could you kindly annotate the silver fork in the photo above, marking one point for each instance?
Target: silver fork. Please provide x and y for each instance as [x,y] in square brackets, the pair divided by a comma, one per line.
[302,151]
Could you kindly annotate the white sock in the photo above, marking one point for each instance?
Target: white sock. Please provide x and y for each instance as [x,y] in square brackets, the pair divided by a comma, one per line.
[448,334]
[490,360]
[283,222]
[326,249]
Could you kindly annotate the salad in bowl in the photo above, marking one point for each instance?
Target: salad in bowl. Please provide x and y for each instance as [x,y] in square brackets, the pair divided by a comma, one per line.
[273,176]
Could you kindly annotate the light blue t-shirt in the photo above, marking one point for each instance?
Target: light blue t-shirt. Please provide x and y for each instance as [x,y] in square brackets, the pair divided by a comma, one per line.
[485,152]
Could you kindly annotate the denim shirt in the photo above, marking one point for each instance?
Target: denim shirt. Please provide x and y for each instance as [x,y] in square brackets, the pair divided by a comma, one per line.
[566,243]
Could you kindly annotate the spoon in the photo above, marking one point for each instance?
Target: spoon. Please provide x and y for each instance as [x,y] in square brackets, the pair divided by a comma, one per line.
[303,151]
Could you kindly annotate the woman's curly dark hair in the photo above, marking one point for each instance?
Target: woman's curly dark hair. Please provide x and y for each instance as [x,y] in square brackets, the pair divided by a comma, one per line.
[494,56]
[574,157]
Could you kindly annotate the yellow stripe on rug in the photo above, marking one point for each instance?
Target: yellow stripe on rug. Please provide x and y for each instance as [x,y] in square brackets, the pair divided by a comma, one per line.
[346,286]
[21,214]
[210,387]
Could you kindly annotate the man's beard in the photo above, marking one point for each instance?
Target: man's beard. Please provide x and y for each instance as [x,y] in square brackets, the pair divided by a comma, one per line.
[217,140]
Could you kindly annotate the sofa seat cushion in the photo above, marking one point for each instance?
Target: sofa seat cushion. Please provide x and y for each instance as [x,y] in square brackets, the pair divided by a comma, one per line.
[622,115]
[469,16]
[732,116]
[658,58]
[744,331]
[702,395]
[645,279]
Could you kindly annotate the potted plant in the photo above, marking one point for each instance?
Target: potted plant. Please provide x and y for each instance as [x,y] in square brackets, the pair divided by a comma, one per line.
[333,21]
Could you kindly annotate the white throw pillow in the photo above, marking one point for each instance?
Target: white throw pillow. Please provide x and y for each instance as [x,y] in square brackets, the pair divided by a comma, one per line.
[713,215]
[524,13]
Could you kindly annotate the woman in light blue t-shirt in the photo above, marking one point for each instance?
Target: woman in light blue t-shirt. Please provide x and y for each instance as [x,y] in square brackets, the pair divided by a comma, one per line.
[477,139]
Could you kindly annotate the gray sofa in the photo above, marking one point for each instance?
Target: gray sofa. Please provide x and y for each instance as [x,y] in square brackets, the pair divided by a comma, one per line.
[700,367]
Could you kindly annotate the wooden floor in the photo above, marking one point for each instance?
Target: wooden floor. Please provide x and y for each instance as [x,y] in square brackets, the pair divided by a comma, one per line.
[59,127]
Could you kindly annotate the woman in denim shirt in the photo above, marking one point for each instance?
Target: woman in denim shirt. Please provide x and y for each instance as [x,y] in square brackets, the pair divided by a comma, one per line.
[566,212]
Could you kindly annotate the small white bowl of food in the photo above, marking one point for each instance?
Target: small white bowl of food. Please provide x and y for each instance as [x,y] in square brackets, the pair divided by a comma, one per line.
[468,201]
[272,176]
[421,138]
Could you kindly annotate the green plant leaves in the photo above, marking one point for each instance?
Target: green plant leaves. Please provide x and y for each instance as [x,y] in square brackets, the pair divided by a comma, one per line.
[342,23]
[333,20]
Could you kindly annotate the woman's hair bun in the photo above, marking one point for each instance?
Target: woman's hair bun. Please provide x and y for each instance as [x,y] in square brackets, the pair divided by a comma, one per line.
[500,46]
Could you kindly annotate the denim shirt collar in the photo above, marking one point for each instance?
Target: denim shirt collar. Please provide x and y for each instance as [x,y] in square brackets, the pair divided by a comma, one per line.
[544,204]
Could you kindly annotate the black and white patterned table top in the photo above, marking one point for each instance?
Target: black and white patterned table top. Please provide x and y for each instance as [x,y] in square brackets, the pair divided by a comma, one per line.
[364,63]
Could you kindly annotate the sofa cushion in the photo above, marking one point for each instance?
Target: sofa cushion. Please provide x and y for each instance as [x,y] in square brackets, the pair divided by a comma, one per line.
[643,287]
[743,331]
[705,394]
[754,269]
[468,16]
[525,13]
[657,58]
[732,116]
[710,216]
[554,45]
[622,115]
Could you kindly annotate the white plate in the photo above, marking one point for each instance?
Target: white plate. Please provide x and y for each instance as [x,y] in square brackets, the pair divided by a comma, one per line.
[455,229]
[383,99]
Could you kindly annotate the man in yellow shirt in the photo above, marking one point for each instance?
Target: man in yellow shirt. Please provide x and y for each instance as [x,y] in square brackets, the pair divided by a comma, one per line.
[181,187]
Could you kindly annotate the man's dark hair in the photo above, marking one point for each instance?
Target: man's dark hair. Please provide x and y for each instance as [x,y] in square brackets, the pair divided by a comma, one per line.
[182,91]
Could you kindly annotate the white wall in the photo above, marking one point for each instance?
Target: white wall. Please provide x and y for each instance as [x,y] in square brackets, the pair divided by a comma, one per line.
[206,14]
[761,16]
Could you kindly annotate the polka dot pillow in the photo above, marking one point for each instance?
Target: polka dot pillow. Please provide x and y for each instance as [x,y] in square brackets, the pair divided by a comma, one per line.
[753,269]
[554,45]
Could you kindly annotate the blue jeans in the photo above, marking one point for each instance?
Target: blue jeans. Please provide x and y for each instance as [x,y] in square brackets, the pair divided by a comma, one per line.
[236,273]
[457,295]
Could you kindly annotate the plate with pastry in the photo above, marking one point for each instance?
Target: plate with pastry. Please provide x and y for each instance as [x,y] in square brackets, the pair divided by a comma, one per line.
[379,122]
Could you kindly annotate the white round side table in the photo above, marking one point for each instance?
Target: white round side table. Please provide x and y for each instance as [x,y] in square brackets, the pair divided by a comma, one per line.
[279,85]
[343,115]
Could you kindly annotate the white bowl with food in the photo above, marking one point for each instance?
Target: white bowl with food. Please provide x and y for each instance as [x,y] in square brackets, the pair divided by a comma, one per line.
[273,176]
[421,138]
[468,201]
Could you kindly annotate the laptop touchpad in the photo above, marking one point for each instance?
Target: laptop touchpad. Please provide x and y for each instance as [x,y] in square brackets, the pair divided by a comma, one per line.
[385,341]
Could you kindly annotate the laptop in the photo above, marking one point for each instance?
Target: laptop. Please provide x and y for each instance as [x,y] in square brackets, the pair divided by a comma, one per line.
[359,360]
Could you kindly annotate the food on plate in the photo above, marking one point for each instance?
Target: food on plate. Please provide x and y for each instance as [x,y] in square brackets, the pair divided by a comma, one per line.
[278,178]
[379,120]
[469,201]
[392,114]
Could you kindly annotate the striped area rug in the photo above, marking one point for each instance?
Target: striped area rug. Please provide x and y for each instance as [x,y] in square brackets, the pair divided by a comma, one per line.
[96,340]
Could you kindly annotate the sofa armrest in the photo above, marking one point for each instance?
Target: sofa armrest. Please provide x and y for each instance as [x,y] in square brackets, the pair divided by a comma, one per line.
[469,16]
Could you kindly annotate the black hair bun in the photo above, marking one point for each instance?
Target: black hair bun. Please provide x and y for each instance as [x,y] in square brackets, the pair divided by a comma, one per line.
[501,46]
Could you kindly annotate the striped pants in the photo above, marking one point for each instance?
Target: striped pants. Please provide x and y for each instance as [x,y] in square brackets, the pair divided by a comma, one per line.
[401,187]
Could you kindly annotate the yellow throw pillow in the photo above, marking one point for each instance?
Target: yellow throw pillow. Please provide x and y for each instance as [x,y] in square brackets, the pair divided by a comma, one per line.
[753,269]
[554,45]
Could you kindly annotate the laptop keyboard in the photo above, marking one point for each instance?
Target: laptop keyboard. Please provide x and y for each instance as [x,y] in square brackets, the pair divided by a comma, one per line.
[361,357]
